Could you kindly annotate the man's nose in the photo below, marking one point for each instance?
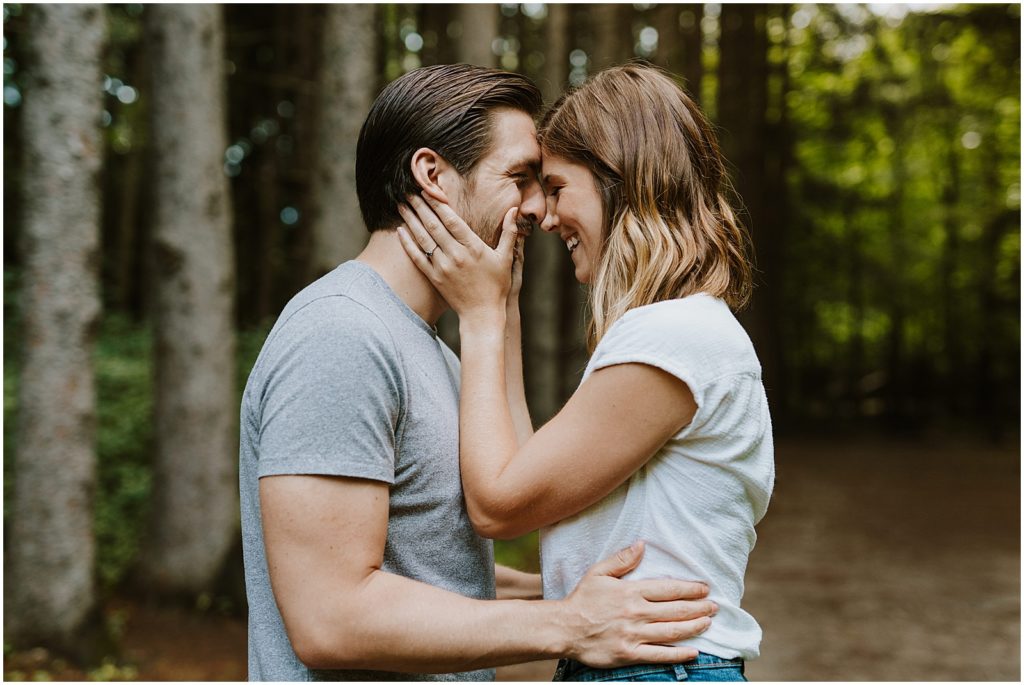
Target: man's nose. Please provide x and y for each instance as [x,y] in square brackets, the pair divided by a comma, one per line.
[534,205]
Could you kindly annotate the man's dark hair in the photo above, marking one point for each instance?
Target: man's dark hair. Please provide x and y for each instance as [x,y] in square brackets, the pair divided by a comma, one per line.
[445,108]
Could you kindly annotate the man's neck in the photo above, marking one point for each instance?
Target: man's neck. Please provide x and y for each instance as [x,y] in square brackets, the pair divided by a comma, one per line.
[385,255]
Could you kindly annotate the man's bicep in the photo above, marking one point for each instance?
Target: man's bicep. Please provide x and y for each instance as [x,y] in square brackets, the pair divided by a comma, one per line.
[323,535]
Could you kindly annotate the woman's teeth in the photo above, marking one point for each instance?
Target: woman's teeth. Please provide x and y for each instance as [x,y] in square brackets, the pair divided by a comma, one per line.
[572,242]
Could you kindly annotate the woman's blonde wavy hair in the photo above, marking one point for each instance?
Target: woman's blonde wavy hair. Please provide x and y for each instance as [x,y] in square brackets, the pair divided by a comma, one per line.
[669,230]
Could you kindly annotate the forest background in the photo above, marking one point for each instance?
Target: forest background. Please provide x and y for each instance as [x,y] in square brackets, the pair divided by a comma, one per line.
[174,174]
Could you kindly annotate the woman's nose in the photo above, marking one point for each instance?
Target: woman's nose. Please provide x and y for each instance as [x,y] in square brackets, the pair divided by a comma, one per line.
[550,222]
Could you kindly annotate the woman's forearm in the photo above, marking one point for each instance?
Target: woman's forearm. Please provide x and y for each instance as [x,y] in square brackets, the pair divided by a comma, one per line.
[514,388]
[487,432]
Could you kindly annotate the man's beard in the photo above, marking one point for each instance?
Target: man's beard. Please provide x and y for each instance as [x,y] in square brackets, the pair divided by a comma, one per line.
[489,227]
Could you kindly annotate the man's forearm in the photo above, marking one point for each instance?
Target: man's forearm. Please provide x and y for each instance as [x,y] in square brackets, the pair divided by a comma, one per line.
[388,622]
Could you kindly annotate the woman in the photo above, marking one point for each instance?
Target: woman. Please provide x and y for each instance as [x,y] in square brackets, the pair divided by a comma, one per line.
[668,437]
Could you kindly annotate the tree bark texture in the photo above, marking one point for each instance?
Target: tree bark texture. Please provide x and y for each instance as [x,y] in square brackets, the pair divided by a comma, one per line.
[50,579]
[612,33]
[479,25]
[679,43]
[557,39]
[434,20]
[195,509]
[347,77]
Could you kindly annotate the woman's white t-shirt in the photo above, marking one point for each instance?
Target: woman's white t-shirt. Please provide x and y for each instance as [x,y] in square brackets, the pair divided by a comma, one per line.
[696,501]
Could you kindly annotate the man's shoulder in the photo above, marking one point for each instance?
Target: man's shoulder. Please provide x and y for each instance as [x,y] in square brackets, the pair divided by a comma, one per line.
[344,301]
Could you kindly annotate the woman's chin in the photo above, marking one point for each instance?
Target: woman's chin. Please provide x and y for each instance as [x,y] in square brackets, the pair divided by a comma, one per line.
[582,271]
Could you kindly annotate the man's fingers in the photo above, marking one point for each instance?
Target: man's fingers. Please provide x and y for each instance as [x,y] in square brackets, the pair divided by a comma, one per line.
[459,229]
[667,590]
[662,654]
[620,563]
[667,632]
[681,610]
[437,230]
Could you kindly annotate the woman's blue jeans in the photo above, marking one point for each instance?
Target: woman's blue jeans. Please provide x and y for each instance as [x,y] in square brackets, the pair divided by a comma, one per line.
[704,669]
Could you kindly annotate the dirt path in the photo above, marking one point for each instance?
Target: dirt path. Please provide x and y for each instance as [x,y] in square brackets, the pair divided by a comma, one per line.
[885,561]
[876,561]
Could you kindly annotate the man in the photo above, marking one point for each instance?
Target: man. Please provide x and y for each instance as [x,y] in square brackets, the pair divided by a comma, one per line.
[361,562]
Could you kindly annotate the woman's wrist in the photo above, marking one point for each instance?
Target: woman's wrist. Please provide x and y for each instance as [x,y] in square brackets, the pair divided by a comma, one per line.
[483,323]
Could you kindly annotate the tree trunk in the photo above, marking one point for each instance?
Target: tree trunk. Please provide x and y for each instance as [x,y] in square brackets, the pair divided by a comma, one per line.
[347,75]
[543,283]
[612,33]
[951,316]
[50,583]
[556,53]
[195,507]
[437,46]
[308,43]
[742,105]
[478,26]
[679,43]
[693,49]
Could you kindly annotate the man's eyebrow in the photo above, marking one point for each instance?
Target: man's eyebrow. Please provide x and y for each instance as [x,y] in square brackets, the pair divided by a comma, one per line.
[529,164]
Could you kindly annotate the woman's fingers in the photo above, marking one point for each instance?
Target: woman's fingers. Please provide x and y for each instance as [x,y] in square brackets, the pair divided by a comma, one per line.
[437,229]
[415,252]
[509,234]
[458,228]
[418,232]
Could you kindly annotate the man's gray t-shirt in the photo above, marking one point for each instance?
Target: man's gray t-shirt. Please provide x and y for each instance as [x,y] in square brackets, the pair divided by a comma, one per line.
[352,382]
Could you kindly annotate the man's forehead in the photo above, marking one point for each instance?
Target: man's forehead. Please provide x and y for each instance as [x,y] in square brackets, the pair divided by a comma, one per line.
[515,142]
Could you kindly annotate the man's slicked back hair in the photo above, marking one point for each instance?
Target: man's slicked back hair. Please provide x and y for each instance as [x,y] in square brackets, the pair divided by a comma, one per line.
[446,108]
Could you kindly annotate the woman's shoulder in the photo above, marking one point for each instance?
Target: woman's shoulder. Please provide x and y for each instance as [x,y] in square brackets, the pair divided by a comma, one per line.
[698,316]
[697,329]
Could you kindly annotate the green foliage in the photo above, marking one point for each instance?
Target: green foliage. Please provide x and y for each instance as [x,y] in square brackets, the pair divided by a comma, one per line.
[521,553]
[906,133]
[124,442]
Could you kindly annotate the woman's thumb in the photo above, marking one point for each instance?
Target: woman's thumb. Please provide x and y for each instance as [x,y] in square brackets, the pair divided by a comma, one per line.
[509,232]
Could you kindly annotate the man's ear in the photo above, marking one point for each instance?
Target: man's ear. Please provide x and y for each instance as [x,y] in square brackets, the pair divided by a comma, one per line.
[432,172]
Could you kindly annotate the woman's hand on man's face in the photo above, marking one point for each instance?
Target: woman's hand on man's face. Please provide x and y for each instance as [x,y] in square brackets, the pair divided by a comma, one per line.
[474,279]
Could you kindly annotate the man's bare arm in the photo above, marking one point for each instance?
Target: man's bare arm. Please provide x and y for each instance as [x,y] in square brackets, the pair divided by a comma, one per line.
[325,539]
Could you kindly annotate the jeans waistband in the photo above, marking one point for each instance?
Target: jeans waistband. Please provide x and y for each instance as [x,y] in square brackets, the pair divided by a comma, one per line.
[569,668]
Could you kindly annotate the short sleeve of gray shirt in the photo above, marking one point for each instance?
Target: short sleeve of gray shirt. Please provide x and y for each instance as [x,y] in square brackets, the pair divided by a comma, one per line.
[333,397]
